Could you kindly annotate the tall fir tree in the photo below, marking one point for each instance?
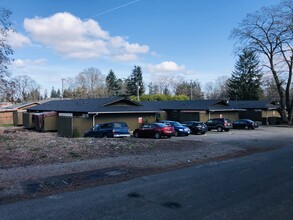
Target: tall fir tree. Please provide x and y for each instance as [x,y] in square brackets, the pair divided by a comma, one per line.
[135,81]
[112,83]
[54,93]
[245,82]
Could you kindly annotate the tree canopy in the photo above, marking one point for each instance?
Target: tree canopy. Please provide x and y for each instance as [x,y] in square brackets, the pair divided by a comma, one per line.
[5,53]
[269,33]
[244,83]
[135,82]
[113,84]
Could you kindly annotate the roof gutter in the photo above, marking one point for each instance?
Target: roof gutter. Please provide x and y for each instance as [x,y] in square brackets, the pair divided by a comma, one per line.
[225,110]
[91,113]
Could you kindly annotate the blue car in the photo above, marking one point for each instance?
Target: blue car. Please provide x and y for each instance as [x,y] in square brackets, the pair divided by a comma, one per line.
[110,130]
[180,130]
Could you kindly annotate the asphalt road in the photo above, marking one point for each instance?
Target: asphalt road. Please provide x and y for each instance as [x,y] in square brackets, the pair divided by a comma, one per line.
[258,186]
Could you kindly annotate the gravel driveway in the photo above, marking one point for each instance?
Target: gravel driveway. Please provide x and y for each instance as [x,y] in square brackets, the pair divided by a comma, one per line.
[163,154]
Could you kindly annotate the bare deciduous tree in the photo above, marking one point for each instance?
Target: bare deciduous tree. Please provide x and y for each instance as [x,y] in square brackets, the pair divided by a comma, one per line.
[269,33]
[25,88]
[5,52]
[90,83]
[217,89]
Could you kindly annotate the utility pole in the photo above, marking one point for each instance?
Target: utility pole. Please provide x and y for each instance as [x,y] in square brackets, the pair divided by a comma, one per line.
[191,90]
[62,95]
[137,90]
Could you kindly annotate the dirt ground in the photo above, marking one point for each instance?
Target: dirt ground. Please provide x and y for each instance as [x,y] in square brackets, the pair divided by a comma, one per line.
[21,147]
[36,164]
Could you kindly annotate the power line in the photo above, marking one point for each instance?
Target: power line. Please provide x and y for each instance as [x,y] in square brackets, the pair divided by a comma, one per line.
[113,9]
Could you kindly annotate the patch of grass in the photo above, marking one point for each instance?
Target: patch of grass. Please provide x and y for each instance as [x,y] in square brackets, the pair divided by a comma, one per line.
[36,149]
[9,148]
[4,138]
[73,154]
[6,125]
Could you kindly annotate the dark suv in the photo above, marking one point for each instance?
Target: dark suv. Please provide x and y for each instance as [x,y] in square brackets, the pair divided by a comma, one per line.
[221,124]
[111,129]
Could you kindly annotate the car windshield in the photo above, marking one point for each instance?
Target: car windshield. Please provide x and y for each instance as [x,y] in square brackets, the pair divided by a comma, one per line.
[175,124]
[161,125]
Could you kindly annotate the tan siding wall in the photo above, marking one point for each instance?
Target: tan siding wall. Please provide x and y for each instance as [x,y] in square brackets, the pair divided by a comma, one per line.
[50,123]
[270,113]
[80,125]
[203,116]
[18,118]
[6,118]
[233,116]
[73,126]
[163,116]
[130,119]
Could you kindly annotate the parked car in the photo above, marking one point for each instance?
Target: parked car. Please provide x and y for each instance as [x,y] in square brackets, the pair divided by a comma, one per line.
[180,130]
[245,124]
[156,130]
[196,127]
[220,124]
[111,129]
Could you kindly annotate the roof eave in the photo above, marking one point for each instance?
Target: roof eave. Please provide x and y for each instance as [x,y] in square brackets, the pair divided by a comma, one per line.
[92,113]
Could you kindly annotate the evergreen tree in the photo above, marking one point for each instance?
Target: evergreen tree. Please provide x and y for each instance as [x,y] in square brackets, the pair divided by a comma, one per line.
[244,83]
[54,93]
[134,81]
[113,84]
[58,93]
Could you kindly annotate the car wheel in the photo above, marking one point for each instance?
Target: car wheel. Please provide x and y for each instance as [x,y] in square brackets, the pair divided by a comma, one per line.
[246,127]
[157,135]
[202,132]
[219,129]
[227,129]
[103,136]
[136,135]
[176,134]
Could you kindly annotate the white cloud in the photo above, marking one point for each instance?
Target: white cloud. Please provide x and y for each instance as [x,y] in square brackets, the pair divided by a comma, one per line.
[166,67]
[18,63]
[17,40]
[83,39]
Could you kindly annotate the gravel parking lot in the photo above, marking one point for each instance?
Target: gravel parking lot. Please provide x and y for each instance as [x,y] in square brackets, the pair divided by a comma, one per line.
[135,156]
[264,136]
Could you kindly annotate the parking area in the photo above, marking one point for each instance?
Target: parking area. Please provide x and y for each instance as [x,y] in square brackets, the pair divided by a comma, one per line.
[264,136]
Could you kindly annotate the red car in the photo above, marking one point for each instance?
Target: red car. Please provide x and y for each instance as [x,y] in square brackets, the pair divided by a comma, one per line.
[156,130]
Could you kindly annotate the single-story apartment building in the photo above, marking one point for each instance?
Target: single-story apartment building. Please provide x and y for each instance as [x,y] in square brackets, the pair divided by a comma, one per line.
[12,114]
[202,110]
[76,116]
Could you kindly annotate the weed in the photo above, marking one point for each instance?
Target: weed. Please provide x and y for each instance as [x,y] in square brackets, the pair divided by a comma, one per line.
[73,154]
[6,125]
[4,138]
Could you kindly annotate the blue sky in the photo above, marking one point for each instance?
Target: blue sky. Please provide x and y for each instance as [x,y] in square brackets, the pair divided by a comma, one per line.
[169,39]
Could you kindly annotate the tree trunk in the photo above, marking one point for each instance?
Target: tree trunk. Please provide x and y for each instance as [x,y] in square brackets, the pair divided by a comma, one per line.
[282,110]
